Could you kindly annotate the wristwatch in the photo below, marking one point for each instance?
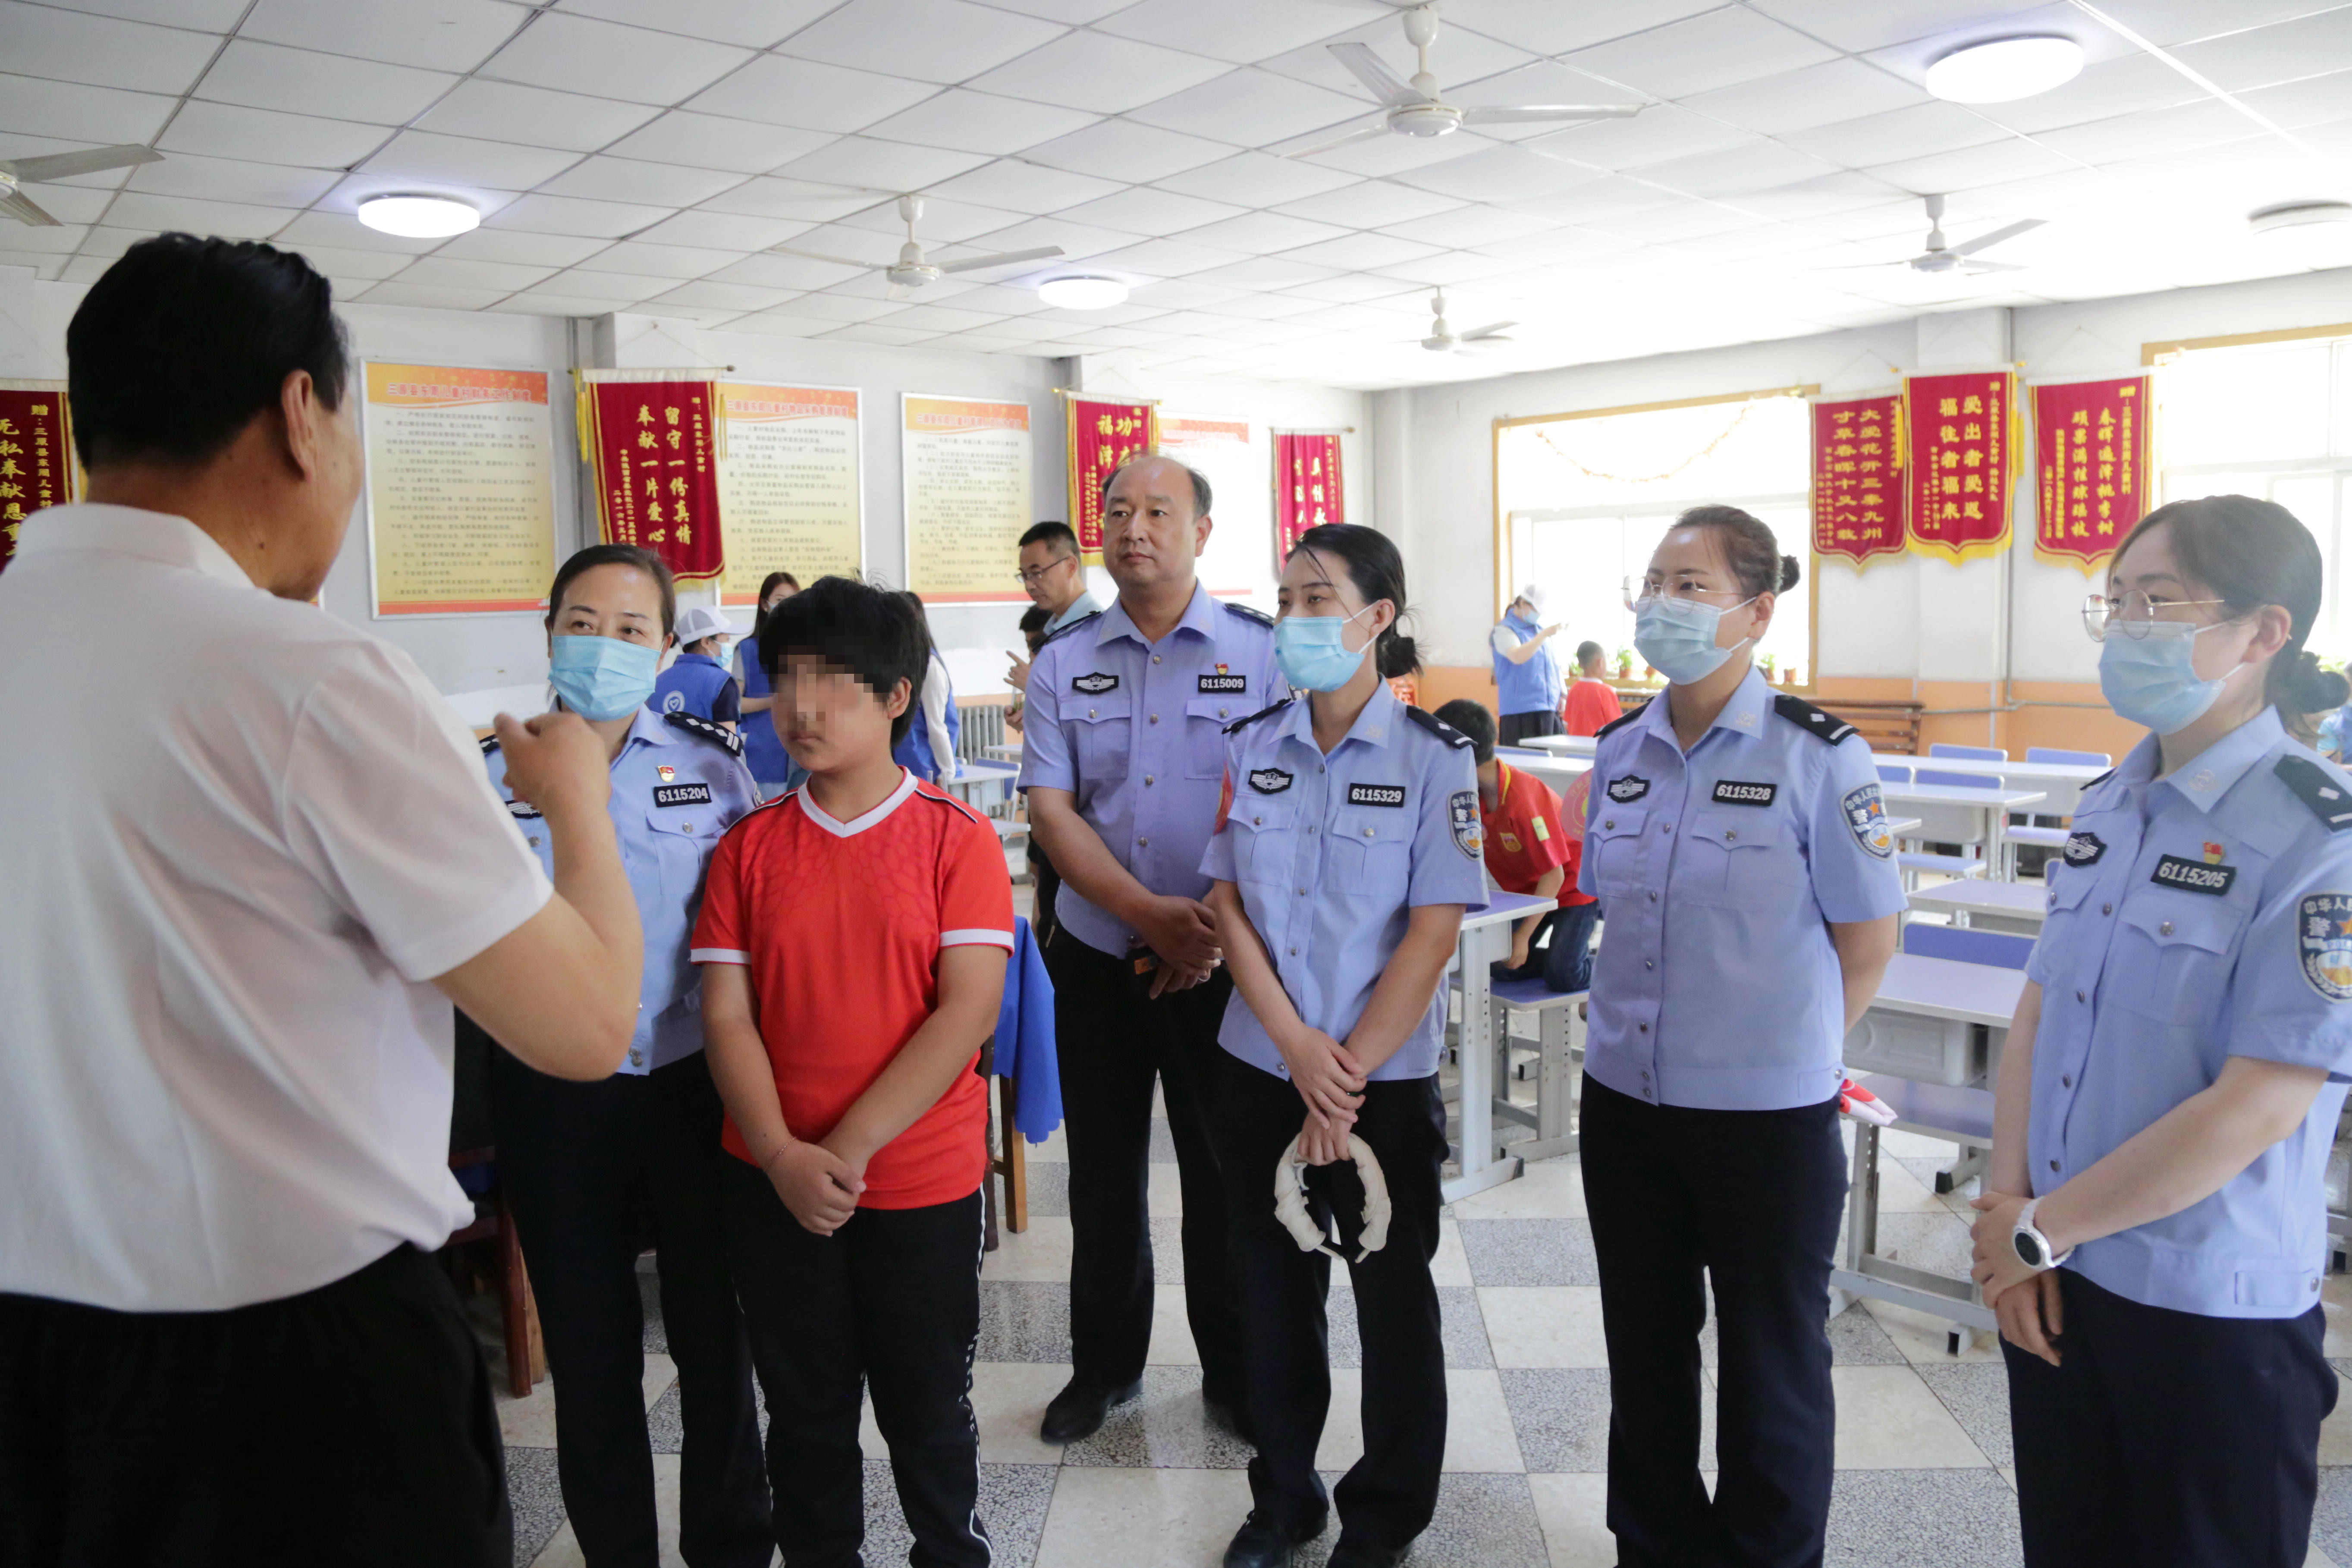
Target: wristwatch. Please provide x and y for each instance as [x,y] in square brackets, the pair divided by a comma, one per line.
[2033,1247]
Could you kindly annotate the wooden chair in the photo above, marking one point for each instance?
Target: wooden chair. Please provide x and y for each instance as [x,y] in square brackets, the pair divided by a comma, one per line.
[1007,1159]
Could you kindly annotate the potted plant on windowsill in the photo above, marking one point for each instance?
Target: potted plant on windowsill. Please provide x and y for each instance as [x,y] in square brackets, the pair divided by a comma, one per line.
[1767,663]
[1624,664]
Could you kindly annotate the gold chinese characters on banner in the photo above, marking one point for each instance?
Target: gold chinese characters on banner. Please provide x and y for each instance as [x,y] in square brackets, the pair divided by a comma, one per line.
[1860,501]
[1963,458]
[1102,436]
[36,467]
[653,447]
[2091,474]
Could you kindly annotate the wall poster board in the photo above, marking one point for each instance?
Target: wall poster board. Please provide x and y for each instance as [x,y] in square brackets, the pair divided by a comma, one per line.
[965,467]
[37,467]
[460,489]
[791,485]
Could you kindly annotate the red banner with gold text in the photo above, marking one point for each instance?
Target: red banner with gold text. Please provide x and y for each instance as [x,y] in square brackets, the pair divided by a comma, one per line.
[1963,459]
[2090,467]
[1860,502]
[1307,488]
[35,459]
[1102,436]
[653,446]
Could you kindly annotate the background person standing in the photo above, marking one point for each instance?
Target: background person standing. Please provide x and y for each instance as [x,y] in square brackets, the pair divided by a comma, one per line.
[251,862]
[771,770]
[1122,756]
[1591,701]
[1526,676]
[697,680]
[1054,578]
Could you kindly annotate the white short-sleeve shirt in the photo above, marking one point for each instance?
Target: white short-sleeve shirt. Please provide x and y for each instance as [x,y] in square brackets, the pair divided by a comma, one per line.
[239,838]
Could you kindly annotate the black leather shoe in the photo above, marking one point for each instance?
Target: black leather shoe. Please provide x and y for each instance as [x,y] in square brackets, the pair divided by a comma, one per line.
[1259,1545]
[1077,1411]
[1363,1554]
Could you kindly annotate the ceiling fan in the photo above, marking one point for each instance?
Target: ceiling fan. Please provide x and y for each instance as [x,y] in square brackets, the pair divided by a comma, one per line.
[910,271]
[15,172]
[1940,256]
[1414,108]
[1442,338]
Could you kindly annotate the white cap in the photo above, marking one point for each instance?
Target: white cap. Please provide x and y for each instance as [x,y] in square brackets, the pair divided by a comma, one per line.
[697,622]
[1534,595]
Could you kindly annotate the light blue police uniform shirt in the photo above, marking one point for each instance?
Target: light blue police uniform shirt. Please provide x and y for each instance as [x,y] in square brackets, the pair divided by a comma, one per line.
[678,783]
[1716,986]
[1136,732]
[1080,609]
[1331,854]
[2195,917]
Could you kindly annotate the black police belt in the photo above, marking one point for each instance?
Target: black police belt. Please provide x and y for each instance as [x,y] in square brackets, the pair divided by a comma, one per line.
[1290,1202]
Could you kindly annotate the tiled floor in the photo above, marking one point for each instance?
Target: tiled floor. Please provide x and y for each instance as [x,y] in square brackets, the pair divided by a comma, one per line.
[1922,1435]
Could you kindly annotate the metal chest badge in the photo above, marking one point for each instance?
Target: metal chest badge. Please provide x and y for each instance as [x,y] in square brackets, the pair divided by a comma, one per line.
[2324,936]
[1865,813]
[1461,812]
[668,774]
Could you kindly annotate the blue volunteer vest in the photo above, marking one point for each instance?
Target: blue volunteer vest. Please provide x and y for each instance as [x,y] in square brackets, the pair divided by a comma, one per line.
[689,686]
[1529,688]
[914,752]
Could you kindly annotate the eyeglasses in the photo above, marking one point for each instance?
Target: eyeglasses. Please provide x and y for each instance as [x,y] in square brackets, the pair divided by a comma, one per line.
[2136,615]
[1637,591]
[1031,574]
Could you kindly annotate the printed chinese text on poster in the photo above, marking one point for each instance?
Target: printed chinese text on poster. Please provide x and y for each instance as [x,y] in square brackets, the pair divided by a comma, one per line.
[1102,436]
[790,489]
[2091,473]
[1860,501]
[461,489]
[1962,458]
[1307,486]
[965,469]
[36,467]
[653,445]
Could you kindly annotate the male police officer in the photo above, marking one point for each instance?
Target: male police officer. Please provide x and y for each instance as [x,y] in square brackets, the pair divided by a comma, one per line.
[1123,759]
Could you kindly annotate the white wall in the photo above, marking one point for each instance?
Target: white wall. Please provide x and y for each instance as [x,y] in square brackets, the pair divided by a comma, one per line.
[1905,617]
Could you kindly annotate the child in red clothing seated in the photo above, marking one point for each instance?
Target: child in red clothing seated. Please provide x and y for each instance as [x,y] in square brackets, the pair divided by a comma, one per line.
[1533,846]
[854,936]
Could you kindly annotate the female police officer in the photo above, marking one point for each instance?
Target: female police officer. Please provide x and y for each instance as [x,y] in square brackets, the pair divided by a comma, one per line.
[588,1165]
[2154,1234]
[1738,846]
[1345,854]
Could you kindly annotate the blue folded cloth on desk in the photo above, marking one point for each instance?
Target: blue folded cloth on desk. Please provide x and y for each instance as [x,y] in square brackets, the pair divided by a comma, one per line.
[1025,1038]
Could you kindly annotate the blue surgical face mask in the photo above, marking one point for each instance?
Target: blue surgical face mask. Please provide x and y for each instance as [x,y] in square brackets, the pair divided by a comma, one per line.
[1313,653]
[2153,680]
[1676,637]
[603,678]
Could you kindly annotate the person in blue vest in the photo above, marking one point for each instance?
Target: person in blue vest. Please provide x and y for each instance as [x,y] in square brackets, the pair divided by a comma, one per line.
[698,681]
[1526,676]
[2154,1230]
[771,770]
[928,747]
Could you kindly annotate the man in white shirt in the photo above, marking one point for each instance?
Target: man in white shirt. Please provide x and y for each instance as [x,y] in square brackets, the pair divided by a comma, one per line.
[251,858]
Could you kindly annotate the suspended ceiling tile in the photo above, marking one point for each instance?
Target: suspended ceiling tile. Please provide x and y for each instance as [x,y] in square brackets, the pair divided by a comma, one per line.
[1596,200]
[649,260]
[607,285]
[1841,192]
[781,90]
[504,111]
[1146,210]
[979,121]
[302,82]
[203,16]
[526,250]
[779,324]
[1913,132]
[633,180]
[1359,252]
[754,24]
[337,262]
[423,297]
[1684,220]
[1734,171]
[1700,53]
[717,141]
[737,232]
[1095,71]
[1460,58]
[942,223]
[1121,150]
[1258,180]
[451,272]
[1653,136]
[1075,239]
[2168,22]
[889,337]
[1447,268]
[1995,162]
[2315,101]
[1548,27]
[887,166]
[1023,187]
[438,35]
[940,319]
[1348,288]
[1816,95]
[2104,89]
[1240,31]
[770,270]
[1163,259]
[2284,51]
[2152,132]
[1266,272]
[569,215]
[233,220]
[1469,227]
[1497,174]
[1879,23]
[1263,233]
[865,246]
[581,54]
[74,112]
[345,232]
[1253,108]
[1394,156]
[468,161]
[74,206]
[101,51]
[930,40]
[735,297]
[805,200]
[530,302]
[1539,84]
[221,180]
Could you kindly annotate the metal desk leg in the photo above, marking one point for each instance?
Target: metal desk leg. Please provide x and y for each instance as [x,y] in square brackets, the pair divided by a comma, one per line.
[1480,1170]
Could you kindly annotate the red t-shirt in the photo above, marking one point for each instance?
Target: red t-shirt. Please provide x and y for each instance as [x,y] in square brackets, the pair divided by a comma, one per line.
[1527,835]
[841,925]
[1591,704]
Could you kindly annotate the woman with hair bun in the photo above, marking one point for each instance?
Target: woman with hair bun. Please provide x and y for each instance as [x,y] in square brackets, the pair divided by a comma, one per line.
[2153,1234]
[1347,851]
[1739,849]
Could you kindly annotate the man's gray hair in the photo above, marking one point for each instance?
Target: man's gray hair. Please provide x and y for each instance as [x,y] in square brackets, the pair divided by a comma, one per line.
[1199,480]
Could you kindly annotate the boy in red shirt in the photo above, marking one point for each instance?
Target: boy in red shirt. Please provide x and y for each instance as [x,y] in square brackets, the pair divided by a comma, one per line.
[1591,701]
[854,936]
[1533,846]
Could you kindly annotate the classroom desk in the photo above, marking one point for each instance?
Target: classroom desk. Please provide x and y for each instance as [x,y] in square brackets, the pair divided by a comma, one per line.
[1949,814]
[1010,751]
[1988,906]
[1486,937]
[981,784]
[2061,784]
[1565,745]
[1556,771]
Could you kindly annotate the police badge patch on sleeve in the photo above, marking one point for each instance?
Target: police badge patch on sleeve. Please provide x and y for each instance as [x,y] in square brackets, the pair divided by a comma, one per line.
[1461,811]
[1865,813]
[2324,940]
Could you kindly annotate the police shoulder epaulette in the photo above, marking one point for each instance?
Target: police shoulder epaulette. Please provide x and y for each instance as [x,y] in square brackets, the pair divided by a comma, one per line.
[1812,720]
[1270,708]
[1620,720]
[1245,613]
[1060,632]
[1437,727]
[703,729]
[2318,789]
[489,744]
[2090,784]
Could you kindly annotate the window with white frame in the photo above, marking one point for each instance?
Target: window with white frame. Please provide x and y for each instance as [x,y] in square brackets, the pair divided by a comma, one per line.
[1588,499]
[2274,421]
